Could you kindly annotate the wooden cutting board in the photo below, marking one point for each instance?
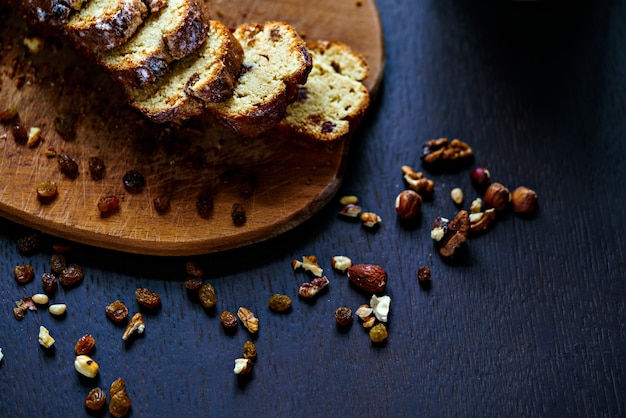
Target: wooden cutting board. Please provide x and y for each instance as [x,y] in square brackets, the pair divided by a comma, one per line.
[291,181]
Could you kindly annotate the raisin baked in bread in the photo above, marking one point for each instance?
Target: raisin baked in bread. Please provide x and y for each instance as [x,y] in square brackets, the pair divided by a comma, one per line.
[333,101]
[207,74]
[46,13]
[275,62]
[169,34]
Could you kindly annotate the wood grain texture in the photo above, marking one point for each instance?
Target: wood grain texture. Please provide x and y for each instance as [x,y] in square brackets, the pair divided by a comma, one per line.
[292,180]
[529,322]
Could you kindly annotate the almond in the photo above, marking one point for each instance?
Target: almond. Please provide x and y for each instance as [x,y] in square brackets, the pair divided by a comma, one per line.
[368,277]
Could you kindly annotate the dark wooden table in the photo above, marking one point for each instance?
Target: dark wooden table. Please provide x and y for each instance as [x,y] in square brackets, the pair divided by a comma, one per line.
[529,321]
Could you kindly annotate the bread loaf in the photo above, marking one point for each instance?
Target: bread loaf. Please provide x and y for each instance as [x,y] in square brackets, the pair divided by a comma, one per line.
[275,62]
[333,101]
[207,74]
[104,24]
[173,32]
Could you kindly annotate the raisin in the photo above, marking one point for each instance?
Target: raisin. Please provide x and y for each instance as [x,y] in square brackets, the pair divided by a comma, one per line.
[134,181]
[19,132]
[193,283]
[49,282]
[328,127]
[423,274]
[248,184]
[71,275]
[249,350]
[96,168]
[84,344]
[279,303]
[47,191]
[95,400]
[119,405]
[378,333]
[147,298]
[117,311]
[28,245]
[194,270]
[68,166]
[24,273]
[228,320]
[238,214]
[64,124]
[343,316]
[57,263]
[204,203]
[8,115]
[207,296]
[161,204]
[108,204]
[118,385]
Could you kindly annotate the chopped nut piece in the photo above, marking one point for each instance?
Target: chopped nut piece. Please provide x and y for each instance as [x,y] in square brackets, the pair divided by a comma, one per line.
[368,277]
[347,200]
[1,355]
[243,366]
[476,205]
[309,290]
[228,320]
[437,151]
[378,333]
[279,303]
[369,322]
[40,298]
[50,152]
[84,344]
[497,196]
[96,399]
[457,195]
[248,320]
[524,200]
[370,219]
[117,311]
[57,309]
[343,316]
[481,220]
[364,311]
[341,263]
[28,303]
[19,312]
[380,307]
[45,339]
[34,136]
[135,325]
[309,263]
[417,181]
[454,233]
[86,366]
[408,204]
[350,211]
[249,350]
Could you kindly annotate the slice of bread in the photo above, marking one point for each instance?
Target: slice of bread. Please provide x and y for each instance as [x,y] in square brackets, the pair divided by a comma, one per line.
[104,24]
[276,61]
[333,101]
[173,32]
[46,16]
[209,73]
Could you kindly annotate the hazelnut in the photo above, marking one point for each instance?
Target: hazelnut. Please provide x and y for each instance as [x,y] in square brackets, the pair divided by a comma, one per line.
[497,196]
[368,277]
[480,178]
[523,200]
[408,204]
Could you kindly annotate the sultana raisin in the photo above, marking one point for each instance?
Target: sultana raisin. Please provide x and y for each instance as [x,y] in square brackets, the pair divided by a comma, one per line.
[57,263]
[71,275]
[194,270]
[68,166]
[49,282]
[193,283]
[238,214]
[96,168]
[117,311]
[249,350]
[24,273]
[343,316]
[28,245]
[279,303]
[378,333]
[228,320]
[162,204]
[147,298]
[96,399]
[47,191]
[207,296]
[118,385]
[64,124]
[108,204]
[204,203]
[134,181]
[84,344]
